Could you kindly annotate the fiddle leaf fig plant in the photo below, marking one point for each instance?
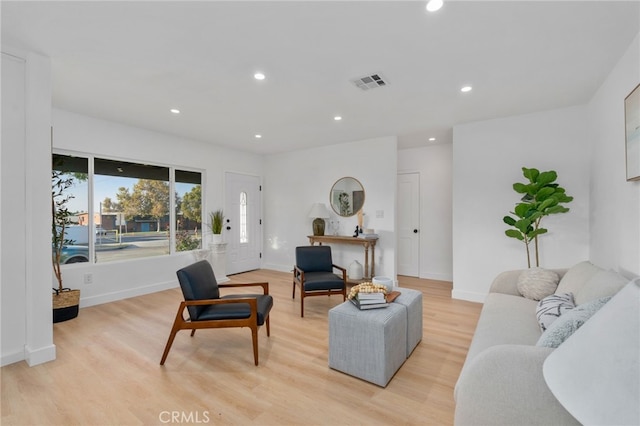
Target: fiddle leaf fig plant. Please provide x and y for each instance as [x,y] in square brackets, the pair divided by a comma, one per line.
[542,196]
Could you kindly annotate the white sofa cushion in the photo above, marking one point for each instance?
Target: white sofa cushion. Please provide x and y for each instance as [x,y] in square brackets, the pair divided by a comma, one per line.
[576,277]
[537,283]
[602,284]
[505,319]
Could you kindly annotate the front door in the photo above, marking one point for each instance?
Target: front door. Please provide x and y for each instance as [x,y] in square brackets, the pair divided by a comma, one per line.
[243,222]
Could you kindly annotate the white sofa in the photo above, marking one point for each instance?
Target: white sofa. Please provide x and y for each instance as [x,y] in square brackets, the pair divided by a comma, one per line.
[502,381]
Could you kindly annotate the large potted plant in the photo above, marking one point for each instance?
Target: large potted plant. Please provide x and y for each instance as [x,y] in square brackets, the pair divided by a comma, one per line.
[542,196]
[66,302]
[215,224]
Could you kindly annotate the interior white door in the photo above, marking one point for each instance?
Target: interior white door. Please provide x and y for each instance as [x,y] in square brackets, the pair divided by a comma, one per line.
[409,224]
[243,222]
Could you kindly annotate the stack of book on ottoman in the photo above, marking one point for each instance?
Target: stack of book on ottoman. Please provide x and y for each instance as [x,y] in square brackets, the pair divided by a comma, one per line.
[368,296]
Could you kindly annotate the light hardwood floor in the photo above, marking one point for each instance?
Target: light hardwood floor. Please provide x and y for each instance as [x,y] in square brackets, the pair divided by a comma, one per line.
[107,369]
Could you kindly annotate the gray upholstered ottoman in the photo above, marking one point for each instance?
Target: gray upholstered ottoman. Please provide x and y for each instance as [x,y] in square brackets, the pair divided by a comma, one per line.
[370,345]
[412,300]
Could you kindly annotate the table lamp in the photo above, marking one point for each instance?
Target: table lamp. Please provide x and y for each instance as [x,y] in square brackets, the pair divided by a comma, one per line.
[319,213]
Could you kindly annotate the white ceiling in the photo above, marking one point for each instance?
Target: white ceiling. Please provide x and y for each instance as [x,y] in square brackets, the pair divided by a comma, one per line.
[131,62]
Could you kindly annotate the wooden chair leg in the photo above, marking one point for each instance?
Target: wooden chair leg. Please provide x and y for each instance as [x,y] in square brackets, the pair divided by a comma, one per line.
[193,332]
[178,323]
[172,336]
[254,336]
[268,327]
[293,296]
[301,304]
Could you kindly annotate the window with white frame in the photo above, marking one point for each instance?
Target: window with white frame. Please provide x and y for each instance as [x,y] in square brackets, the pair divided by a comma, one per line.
[133,209]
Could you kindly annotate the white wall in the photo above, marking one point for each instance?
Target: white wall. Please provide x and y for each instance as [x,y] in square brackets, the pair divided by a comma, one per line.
[295,180]
[585,145]
[26,210]
[117,280]
[487,160]
[13,240]
[615,203]
[435,165]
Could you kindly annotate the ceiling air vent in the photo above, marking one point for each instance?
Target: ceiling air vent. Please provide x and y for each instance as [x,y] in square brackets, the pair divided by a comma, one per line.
[369,82]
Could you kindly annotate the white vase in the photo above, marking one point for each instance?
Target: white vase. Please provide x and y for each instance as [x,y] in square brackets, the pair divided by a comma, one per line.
[355,271]
[385,281]
[216,238]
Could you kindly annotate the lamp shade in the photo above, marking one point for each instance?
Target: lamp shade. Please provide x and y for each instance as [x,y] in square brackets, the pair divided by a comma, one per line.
[595,373]
[319,210]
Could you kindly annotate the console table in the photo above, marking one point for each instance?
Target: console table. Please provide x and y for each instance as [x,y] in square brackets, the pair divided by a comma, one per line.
[364,242]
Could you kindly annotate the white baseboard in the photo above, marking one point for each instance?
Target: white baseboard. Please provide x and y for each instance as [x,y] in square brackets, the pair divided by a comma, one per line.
[468,295]
[280,268]
[125,294]
[436,276]
[40,355]
[11,358]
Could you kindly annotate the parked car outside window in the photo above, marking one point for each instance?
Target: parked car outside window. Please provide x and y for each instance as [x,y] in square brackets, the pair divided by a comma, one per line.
[74,254]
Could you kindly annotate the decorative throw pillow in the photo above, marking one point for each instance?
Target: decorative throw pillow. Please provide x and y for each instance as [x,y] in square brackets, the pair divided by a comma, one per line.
[537,283]
[567,324]
[551,307]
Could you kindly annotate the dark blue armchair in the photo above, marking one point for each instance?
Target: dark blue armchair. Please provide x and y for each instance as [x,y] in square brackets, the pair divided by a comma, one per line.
[207,309]
[314,274]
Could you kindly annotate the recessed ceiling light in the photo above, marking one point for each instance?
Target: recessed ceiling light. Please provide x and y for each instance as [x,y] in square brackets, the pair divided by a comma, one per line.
[175,111]
[258,136]
[466,89]
[432,139]
[337,118]
[258,76]
[434,5]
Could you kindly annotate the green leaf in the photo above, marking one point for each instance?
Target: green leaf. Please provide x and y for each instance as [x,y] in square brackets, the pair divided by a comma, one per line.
[535,215]
[557,209]
[509,220]
[537,232]
[523,210]
[547,177]
[523,225]
[514,234]
[549,202]
[520,188]
[545,193]
[563,198]
[531,174]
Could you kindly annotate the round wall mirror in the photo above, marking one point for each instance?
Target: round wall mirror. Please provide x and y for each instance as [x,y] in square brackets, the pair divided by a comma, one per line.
[347,196]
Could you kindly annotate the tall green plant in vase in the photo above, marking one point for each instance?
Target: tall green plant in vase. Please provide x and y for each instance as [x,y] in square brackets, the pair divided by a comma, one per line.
[542,196]
[65,302]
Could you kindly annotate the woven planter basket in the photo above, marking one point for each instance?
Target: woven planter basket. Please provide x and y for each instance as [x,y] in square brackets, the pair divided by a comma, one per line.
[66,304]
[66,298]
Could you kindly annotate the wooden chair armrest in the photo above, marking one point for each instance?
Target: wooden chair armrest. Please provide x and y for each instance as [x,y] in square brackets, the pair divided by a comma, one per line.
[340,267]
[344,271]
[264,285]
